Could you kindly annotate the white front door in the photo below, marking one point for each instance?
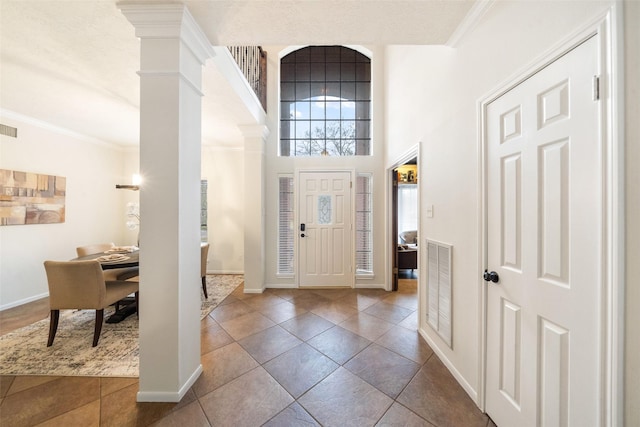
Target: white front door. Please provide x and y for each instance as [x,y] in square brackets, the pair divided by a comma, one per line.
[325,238]
[545,241]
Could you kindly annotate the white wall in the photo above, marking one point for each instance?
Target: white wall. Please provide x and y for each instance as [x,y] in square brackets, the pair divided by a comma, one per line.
[224,171]
[94,208]
[361,164]
[432,96]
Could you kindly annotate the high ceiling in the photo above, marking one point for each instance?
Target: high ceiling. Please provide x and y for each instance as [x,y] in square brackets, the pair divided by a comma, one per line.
[73,63]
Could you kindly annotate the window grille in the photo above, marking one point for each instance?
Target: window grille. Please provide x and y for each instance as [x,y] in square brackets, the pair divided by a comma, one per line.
[285,225]
[325,102]
[364,241]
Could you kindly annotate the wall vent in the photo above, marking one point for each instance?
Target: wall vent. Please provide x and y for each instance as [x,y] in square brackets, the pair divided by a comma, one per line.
[439,284]
[8,131]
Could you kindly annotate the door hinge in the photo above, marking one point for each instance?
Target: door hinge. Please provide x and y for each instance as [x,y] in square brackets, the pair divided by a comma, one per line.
[596,88]
[395,270]
[350,184]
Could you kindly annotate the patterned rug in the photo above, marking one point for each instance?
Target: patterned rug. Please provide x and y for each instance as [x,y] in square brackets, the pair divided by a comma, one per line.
[25,351]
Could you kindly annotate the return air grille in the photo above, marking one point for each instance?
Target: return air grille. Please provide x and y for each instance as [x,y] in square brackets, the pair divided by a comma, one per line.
[439,285]
[8,131]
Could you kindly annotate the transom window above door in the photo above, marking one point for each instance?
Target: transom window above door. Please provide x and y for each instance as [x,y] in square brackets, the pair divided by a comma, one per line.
[325,102]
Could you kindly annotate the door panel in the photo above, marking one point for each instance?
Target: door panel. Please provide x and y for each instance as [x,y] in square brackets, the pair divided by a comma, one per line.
[325,244]
[545,228]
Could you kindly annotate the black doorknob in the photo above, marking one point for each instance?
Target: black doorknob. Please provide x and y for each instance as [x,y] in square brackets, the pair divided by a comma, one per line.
[302,235]
[491,276]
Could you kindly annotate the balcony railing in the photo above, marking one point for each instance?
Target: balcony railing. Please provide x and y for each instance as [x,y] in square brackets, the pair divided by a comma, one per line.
[252,61]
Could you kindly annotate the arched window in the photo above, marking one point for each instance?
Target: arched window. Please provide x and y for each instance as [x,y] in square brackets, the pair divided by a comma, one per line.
[325,102]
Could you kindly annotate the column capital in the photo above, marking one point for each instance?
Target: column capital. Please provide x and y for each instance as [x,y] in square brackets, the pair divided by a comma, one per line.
[167,21]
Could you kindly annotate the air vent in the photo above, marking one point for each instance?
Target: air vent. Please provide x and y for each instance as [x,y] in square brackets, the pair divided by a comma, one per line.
[9,131]
[439,284]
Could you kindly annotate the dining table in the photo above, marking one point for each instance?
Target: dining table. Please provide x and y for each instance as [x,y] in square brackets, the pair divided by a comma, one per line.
[117,259]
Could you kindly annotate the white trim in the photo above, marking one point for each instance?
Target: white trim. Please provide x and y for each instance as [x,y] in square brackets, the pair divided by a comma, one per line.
[170,396]
[235,272]
[409,154]
[470,21]
[450,366]
[608,27]
[228,67]
[253,291]
[23,301]
[382,286]
[281,286]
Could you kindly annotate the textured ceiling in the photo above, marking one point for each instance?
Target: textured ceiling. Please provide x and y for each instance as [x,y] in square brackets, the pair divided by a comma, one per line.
[73,63]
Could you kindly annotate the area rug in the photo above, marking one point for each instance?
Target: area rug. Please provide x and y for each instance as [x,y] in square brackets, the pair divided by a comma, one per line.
[25,351]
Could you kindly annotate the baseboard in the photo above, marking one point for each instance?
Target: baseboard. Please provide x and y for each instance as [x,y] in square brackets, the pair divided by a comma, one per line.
[473,394]
[166,396]
[281,286]
[23,301]
[253,291]
[371,286]
[224,272]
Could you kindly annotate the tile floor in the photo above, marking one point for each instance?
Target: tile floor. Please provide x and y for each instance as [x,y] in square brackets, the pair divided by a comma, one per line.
[283,358]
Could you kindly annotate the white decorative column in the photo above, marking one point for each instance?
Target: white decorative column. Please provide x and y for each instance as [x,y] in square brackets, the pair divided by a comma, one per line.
[173,51]
[255,137]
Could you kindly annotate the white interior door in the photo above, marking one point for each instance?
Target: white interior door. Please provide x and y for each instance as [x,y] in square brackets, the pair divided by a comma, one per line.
[545,239]
[325,243]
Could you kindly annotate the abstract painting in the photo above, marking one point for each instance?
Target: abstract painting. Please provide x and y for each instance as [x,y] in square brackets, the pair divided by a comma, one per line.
[31,198]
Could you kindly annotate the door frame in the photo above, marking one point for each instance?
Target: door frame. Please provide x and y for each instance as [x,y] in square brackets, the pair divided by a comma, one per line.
[296,219]
[391,240]
[608,29]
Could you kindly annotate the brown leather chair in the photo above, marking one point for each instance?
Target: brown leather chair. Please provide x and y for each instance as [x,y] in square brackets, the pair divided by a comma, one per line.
[112,274]
[81,285]
[204,252]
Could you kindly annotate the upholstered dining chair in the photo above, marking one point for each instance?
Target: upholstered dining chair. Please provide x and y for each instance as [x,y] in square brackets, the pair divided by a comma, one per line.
[112,274]
[81,285]
[204,252]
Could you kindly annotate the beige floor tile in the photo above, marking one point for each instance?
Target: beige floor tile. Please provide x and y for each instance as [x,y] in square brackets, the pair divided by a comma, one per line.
[213,338]
[403,300]
[22,383]
[307,325]
[359,301]
[86,416]
[410,322]
[224,313]
[42,402]
[263,300]
[339,344]
[282,312]
[398,415]
[246,325]
[300,368]
[406,343]
[335,311]
[221,366]
[110,385]
[265,345]
[383,369]
[293,415]
[389,312]
[191,415]
[5,384]
[308,300]
[436,396]
[367,326]
[343,399]
[250,400]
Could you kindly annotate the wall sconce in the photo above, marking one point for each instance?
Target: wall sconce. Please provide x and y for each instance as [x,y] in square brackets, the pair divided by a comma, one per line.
[136,180]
